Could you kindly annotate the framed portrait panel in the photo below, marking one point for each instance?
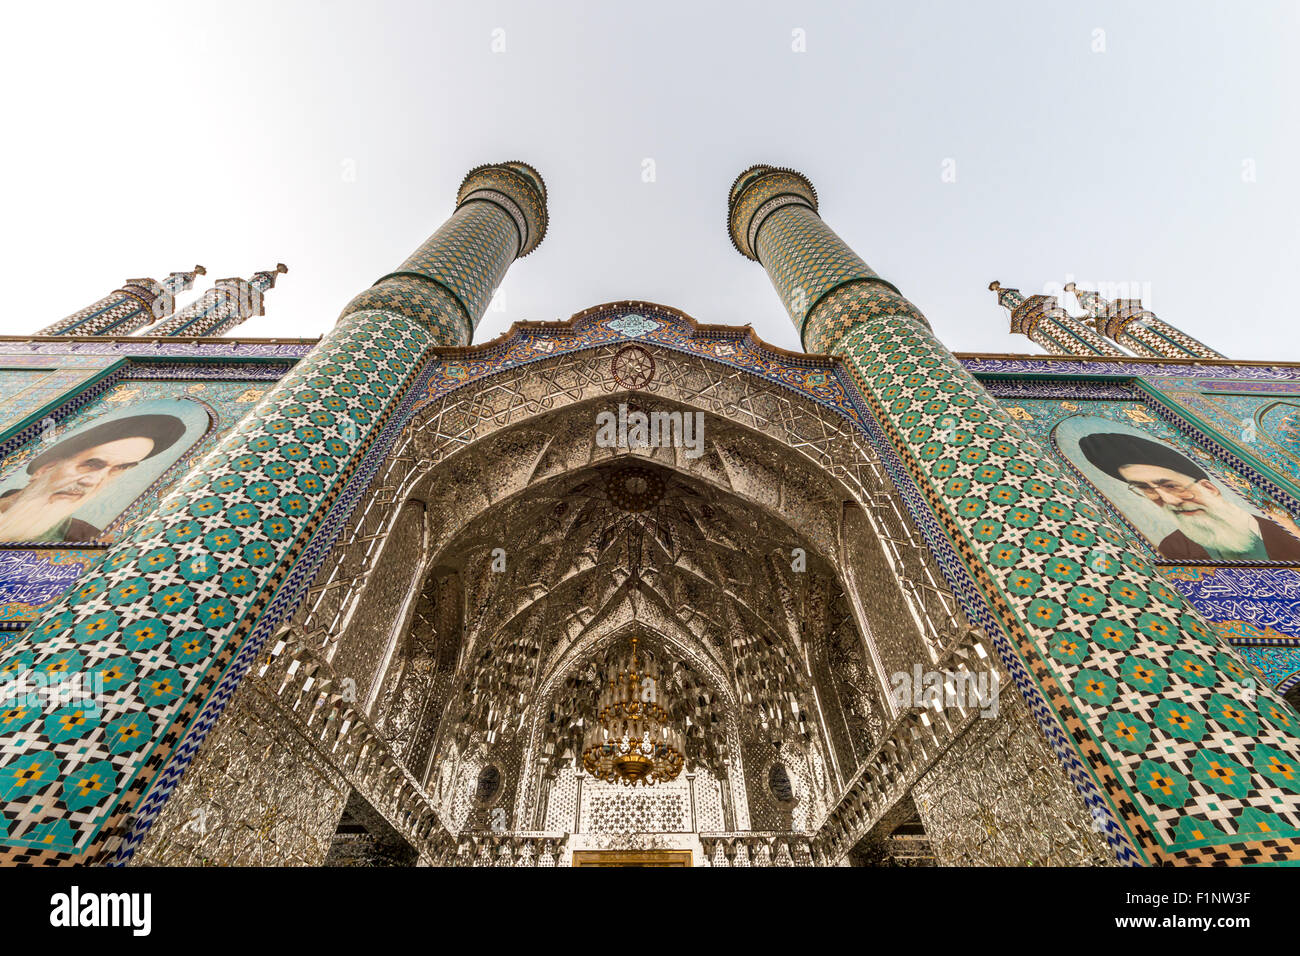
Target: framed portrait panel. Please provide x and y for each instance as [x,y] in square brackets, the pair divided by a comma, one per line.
[71,484]
[1182,508]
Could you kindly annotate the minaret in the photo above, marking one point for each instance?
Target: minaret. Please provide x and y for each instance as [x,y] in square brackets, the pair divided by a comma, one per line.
[500,216]
[1143,704]
[1041,319]
[176,613]
[1137,329]
[121,312]
[228,303]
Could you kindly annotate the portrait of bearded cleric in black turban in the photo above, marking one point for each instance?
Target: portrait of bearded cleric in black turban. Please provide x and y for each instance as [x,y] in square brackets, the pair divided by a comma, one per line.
[1187,514]
[75,484]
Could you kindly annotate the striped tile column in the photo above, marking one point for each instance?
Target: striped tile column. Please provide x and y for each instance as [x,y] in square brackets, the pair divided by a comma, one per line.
[228,303]
[1041,319]
[1138,329]
[135,305]
[163,630]
[1178,756]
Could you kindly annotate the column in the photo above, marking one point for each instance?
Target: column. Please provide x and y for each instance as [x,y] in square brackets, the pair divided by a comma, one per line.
[690,780]
[1041,319]
[1137,329]
[178,611]
[501,215]
[121,312]
[1177,757]
[228,303]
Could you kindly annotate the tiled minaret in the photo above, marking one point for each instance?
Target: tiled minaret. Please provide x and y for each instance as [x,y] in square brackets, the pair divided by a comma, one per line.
[177,612]
[1041,319]
[500,216]
[1126,322]
[228,303]
[1177,757]
[135,305]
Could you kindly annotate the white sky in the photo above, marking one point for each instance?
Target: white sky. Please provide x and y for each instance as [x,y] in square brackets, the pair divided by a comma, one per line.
[142,138]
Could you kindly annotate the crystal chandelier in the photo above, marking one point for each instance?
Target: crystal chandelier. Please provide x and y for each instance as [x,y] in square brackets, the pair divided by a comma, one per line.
[630,741]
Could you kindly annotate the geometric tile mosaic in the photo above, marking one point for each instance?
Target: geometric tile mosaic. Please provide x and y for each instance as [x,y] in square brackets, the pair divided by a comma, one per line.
[153,629]
[172,600]
[1197,758]
[1194,763]
[1158,718]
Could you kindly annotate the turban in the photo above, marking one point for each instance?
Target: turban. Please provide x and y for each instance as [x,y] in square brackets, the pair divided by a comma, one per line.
[1111,451]
[164,430]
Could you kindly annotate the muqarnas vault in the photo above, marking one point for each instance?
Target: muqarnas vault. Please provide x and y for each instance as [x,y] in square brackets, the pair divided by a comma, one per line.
[385,599]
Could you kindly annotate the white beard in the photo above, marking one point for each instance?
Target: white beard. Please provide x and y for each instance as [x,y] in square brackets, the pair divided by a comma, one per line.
[1220,527]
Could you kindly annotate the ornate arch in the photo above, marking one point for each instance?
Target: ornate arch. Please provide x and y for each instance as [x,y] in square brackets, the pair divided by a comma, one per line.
[492,429]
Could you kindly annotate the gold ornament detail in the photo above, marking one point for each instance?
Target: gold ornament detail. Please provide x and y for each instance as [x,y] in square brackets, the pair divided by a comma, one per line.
[631,741]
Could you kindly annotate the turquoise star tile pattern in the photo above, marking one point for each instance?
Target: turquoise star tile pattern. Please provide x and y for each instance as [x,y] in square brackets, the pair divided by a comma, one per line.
[170,609]
[1098,641]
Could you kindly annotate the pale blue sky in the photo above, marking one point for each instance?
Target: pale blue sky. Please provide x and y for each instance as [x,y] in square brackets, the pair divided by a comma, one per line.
[146,137]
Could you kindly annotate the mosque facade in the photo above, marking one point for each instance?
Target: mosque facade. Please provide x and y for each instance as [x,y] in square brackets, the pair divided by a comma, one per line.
[373,599]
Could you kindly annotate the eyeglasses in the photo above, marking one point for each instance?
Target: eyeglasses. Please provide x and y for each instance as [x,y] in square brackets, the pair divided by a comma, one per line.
[1156,488]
